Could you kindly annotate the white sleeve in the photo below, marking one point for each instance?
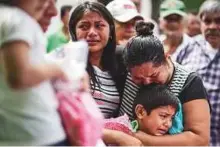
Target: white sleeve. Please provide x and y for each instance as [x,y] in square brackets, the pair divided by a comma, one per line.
[17,26]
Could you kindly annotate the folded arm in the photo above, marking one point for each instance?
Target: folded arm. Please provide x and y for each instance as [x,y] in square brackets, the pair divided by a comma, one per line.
[113,137]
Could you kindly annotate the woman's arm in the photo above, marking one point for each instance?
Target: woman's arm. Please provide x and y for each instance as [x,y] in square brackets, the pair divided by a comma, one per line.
[19,72]
[120,138]
[196,127]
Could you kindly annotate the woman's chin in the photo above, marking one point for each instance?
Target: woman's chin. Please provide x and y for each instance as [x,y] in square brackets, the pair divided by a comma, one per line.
[94,49]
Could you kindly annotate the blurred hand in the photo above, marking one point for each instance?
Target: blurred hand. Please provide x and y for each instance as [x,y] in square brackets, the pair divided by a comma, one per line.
[63,77]
[85,83]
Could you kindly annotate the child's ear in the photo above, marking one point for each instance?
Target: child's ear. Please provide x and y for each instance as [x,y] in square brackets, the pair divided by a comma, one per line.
[140,111]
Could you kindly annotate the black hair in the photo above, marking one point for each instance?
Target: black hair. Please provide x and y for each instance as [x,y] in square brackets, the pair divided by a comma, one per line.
[144,47]
[108,61]
[154,96]
[64,9]
[7,2]
[105,2]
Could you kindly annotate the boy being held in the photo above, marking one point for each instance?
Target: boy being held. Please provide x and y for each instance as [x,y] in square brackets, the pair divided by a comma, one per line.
[154,109]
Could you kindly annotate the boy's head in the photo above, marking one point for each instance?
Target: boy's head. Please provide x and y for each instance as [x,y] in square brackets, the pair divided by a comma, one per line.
[154,108]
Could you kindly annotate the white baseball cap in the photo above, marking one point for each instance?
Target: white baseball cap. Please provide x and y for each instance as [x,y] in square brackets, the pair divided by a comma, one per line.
[123,10]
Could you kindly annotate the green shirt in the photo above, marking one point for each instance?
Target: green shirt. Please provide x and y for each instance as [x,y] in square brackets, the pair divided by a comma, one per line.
[56,40]
[134,125]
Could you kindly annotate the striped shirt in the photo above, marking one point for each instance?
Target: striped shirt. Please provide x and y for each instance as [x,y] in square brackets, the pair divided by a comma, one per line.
[131,89]
[130,92]
[107,95]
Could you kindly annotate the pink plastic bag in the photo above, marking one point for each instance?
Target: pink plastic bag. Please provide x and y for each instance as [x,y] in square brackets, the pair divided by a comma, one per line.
[121,123]
[81,117]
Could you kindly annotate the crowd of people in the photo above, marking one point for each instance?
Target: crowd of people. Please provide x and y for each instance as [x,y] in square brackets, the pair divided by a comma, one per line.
[168,84]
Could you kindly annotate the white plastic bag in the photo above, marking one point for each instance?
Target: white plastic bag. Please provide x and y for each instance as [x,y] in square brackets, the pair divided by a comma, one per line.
[82,119]
[72,58]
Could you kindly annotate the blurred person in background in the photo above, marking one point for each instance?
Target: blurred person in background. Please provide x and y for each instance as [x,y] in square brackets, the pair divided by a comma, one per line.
[48,14]
[136,2]
[62,35]
[204,58]
[28,103]
[104,2]
[193,25]
[172,23]
[125,16]
[138,5]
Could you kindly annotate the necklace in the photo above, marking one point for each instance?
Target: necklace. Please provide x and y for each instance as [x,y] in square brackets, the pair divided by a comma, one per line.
[170,71]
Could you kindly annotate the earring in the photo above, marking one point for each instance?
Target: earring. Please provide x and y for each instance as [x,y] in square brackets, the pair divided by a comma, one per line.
[73,37]
[135,126]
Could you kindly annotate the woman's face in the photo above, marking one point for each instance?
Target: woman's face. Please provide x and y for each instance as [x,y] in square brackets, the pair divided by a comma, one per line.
[148,73]
[35,8]
[173,25]
[48,14]
[93,28]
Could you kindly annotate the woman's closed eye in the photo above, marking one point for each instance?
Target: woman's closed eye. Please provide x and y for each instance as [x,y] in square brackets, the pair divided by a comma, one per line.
[163,116]
[99,25]
[154,75]
[84,26]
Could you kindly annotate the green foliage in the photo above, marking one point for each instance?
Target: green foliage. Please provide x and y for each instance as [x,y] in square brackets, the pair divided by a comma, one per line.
[193,5]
